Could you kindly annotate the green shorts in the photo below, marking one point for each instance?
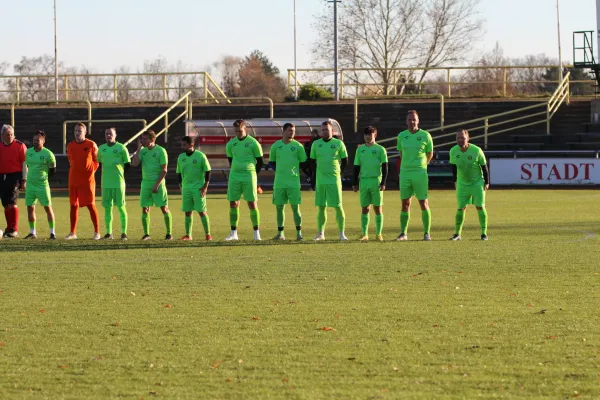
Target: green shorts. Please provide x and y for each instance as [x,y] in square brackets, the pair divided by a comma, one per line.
[328,195]
[149,199]
[192,201]
[466,195]
[414,183]
[113,197]
[239,187]
[369,192]
[285,196]
[34,193]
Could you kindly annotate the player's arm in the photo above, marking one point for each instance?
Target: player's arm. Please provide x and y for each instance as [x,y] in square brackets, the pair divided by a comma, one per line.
[135,158]
[24,171]
[429,149]
[258,153]
[51,166]
[486,176]
[204,187]
[259,164]
[125,158]
[161,177]
[355,175]
[95,157]
[384,175]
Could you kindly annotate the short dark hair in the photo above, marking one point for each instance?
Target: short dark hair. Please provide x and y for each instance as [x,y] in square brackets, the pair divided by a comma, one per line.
[187,139]
[151,134]
[370,129]
[288,125]
[40,133]
[239,123]
[327,123]
[111,128]
[412,112]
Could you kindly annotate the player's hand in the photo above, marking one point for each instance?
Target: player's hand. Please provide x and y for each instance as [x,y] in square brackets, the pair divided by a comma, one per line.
[486,187]
[22,186]
[203,191]
[381,188]
[355,188]
[139,145]
[155,189]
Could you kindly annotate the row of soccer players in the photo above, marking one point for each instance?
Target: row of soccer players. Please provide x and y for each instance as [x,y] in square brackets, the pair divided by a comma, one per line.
[328,156]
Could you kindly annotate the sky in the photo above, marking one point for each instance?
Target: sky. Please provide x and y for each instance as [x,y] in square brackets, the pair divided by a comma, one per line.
[106,34]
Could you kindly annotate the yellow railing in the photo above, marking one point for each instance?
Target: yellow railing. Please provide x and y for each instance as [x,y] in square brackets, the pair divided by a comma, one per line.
[501,79]
[90,121]
[205,99]
[111,87]
[13,105]
[165,116]
[550,107]
[410,96]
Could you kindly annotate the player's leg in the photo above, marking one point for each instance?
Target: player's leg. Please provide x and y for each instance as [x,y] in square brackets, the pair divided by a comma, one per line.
[205,224]
[421,186]
[119,201]
[321,203]
[188,224]
[249,190]
[187,206]
[45,200]
[74,212]
[334,199]
[146,201]
[30,200]
[377,201]
[365,202]
[406,193]
[87,198]
[479,201]
[9,201]
[463,197]
[108,198]
[295,198]
[280,199]
[234,195]
[161,199]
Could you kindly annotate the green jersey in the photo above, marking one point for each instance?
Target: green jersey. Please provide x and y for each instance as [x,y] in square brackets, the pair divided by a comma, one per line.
[328,155]
[38,163]
[113,158]
[413,148]
[287,158]
[243,154]
[369,159]
[152,161]
[468,165]
[192,168]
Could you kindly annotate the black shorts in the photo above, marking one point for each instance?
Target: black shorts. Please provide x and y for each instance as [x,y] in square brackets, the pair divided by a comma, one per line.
[9,188]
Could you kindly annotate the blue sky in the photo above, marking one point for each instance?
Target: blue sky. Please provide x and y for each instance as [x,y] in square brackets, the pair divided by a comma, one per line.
[104,34]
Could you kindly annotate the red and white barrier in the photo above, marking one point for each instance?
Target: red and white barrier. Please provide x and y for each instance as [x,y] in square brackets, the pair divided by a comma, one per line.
[545,171]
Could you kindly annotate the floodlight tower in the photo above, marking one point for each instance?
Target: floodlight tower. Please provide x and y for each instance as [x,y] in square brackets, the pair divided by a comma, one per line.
[335,47]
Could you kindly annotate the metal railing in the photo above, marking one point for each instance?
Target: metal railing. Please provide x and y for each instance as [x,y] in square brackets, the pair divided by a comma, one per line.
[550,106]
[90,121]
[410,96]
[111,87]
[205,99]
[165,116]
[13,105]
[500,80]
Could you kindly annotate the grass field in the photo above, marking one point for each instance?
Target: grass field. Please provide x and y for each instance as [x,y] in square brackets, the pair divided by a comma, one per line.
[514,317]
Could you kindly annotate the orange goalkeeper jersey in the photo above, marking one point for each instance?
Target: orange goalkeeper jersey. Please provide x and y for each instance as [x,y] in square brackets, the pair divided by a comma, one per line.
[83,161]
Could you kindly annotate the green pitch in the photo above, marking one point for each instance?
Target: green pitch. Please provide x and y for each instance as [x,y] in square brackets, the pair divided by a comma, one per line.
[516,316]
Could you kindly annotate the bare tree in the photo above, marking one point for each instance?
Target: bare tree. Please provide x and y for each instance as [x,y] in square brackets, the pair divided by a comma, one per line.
[37,83]
[383,35]
[228,68]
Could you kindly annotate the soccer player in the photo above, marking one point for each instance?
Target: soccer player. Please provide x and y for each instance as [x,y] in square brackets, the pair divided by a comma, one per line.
[193,173]
[416,151]
[371,164]
[41,164]
[285,156]
[154,189]
[245,158]
[471,179]
[114,158]
[330,156]
[83,160]
[13,178]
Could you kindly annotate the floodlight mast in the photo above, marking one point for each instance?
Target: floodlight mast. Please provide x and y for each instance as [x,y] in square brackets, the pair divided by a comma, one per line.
[335,47]
[598,28]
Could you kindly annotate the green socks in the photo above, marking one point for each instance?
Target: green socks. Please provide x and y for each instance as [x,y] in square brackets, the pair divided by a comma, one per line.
[404,218]
[483,220]
[31,224]
[321,219]
[426,218]
[255,218]
[340,218]
[459,221]
[234,218]
[146,223]
[378,224]
[205,224]
[123,218]
[280,216]
[108,219]
[188,224]
[168,222]
[364,223]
